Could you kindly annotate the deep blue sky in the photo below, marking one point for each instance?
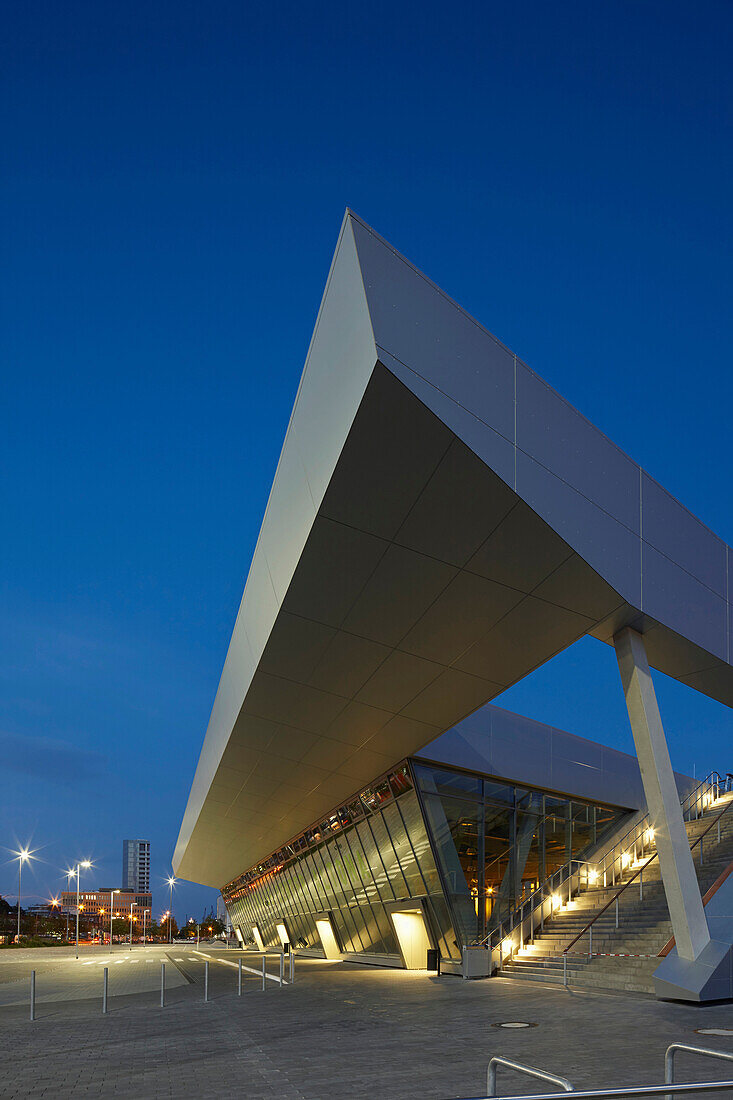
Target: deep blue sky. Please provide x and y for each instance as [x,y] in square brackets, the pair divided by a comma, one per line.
[174,177]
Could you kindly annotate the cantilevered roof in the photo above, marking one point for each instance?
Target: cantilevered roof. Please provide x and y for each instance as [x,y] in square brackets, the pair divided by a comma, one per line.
[441,523]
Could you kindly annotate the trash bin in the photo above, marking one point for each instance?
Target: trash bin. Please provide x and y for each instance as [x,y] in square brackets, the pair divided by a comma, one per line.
[433,960]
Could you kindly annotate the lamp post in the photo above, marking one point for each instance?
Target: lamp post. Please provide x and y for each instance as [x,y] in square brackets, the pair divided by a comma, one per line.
[85,863]
[131,920]
[111,907]
[171,884]
[145,913]
[23,856]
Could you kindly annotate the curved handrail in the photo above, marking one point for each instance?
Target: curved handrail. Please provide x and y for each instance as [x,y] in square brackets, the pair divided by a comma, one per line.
[639,872]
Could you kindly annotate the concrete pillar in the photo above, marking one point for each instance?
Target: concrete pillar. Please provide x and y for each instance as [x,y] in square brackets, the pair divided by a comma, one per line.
[678,872]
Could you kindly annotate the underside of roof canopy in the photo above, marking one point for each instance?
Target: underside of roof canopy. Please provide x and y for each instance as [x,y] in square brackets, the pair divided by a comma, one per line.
[440,524]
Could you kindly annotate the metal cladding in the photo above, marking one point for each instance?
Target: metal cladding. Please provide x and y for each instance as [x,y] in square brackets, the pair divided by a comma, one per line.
[441,523]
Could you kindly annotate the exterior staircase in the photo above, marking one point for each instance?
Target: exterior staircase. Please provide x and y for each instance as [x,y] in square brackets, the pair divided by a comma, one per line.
[626,957]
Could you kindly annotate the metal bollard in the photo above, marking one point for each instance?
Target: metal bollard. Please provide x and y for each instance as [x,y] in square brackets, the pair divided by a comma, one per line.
[239,980]
[206,980]
[282,968]
[264,972]
[105,991]
[162,985]
[33,994]
[292,967]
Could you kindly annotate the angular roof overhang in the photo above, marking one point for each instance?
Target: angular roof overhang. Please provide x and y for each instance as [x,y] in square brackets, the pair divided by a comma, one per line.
[440,524]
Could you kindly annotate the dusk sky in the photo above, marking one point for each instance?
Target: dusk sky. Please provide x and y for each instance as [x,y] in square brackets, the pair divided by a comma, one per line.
[174,178]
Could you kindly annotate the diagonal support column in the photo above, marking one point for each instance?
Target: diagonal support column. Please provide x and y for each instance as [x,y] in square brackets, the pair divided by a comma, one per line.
[678,872]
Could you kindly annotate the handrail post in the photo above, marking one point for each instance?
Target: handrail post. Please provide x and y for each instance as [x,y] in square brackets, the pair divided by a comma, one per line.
[528,1071]
[671,1050]
[641,885]
[105,990]
[565,968]
[239,980]
[617,911]
[33,994]
[264,972]
[590,942]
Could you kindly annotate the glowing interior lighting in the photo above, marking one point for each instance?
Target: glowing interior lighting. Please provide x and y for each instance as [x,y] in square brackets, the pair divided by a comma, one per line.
[507,946]
[556,901]
[592,876]
[625,859]
[649,836]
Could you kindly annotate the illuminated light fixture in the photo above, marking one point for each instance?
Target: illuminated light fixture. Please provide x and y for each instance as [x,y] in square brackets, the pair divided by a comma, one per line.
[649,836]
[625,859]
[556,901]
[507,946]
[592,876]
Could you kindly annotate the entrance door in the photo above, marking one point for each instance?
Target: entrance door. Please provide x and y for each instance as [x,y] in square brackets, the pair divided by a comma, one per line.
[412,935]
[328,939]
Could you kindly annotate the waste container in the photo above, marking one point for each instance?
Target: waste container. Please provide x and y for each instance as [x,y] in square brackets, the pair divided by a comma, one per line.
[433,960]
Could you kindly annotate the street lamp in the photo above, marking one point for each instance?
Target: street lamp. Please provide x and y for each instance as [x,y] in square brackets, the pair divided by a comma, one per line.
[85,863]
[145,913]
[111,907]
[22,856]
[171,884]
[131,920]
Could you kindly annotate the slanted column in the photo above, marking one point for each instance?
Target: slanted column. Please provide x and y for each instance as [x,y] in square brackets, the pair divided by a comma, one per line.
[675,858]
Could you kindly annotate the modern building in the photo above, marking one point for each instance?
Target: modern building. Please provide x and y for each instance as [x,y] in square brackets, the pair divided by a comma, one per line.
[94,905]
[136,865]
[441,523]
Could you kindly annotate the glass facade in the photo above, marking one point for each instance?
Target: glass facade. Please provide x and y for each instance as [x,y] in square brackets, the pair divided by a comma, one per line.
[495,842]
[466,846]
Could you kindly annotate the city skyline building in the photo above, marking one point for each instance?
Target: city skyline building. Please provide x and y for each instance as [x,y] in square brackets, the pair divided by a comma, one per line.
[441,523]
[136,865]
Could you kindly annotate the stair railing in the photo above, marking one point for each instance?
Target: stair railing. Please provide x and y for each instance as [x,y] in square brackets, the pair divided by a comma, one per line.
[547,897]
[639,837]
[715,824]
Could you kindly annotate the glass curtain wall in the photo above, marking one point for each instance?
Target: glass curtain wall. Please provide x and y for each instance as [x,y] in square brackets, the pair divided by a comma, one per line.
[496,842]
[372,850]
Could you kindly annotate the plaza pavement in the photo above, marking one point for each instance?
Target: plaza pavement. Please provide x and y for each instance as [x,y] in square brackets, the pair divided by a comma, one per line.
[342,1030]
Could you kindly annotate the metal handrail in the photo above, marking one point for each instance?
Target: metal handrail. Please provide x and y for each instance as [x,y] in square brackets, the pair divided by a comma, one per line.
[543,892]
[640,871]
[632,1090]
[547,888]
[723,1055]
[690,801]
[528,1071]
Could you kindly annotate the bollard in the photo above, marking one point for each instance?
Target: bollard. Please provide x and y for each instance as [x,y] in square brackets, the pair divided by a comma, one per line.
[282,968]
[162,985]
[292,967]
[239,980]
[264,972]
[206,980]
[105,991]
[33,994]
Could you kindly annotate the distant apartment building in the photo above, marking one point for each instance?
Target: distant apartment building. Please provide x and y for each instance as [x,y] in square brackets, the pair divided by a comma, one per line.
[136,866]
